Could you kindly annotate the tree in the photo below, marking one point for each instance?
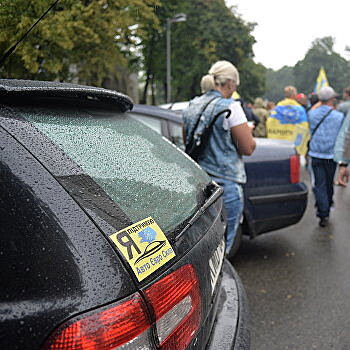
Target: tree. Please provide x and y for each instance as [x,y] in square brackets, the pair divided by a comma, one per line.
[321,54]
[79,40]
[305,72]
[253,82]
[276,81]
[212,32]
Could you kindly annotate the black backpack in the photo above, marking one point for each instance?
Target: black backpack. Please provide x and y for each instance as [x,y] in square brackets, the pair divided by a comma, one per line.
[200,138]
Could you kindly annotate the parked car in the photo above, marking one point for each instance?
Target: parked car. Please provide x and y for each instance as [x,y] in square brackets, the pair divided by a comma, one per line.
[111,238]
[274,196]
[175,106]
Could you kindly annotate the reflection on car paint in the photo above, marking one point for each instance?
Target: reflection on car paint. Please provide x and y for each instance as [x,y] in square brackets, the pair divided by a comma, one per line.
[66,191]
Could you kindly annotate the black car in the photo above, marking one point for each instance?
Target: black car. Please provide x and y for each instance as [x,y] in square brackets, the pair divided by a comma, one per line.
[111,238]
[274,196]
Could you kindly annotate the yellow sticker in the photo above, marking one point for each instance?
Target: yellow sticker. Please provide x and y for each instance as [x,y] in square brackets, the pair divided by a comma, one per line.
[144,247]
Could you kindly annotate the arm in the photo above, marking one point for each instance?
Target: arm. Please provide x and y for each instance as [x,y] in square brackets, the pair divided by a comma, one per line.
[243,138]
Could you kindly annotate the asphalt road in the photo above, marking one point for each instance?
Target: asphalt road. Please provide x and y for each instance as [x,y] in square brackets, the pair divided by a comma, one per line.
[298,281]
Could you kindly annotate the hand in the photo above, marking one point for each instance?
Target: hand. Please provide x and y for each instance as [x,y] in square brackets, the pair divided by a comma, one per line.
[343,176]
[251,125]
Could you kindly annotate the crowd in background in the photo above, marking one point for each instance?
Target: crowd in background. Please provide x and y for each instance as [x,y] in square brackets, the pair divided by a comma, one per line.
[259,111]
[319,125]
[219,130]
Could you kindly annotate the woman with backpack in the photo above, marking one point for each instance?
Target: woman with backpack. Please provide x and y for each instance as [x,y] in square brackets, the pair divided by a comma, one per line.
[217,135]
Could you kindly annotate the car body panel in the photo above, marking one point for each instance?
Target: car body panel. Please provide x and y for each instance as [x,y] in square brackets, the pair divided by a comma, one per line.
[71,266]
[56,291]
[271,201]
[231,300]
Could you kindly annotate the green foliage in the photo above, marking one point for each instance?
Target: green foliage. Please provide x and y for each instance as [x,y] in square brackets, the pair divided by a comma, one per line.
[321,54]
[90,40]
[81,40]
[305,72]
[253,80]
[211,32]
[276,81]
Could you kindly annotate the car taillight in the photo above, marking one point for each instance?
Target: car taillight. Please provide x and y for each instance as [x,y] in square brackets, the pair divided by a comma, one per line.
[126,325]
[177,305]
[104,329]
[294,169]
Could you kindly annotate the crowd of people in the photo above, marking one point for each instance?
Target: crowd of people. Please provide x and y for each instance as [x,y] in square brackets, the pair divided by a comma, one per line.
[326,120]
[318,121]
[325,113]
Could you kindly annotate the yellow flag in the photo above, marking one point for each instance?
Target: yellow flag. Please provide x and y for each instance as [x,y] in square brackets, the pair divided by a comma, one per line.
[236,95]
[321,80]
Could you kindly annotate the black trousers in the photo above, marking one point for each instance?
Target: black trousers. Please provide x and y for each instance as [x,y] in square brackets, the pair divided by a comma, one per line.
[323,171]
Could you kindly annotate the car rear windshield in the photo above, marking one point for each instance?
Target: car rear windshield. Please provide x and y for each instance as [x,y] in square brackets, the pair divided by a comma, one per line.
[141,171]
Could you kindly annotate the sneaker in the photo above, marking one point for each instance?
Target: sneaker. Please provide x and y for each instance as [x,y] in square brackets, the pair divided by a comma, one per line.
[323,221]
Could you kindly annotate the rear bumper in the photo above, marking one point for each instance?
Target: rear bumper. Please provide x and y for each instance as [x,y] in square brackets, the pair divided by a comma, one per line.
[230,330]
[273,207]
[297,193]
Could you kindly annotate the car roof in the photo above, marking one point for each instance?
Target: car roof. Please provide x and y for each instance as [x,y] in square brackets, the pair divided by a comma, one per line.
[157,112]
[13,88]
[264,151]
[175,106]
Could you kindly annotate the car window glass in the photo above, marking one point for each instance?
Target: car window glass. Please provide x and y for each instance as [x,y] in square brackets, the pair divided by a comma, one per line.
[153,123]
[175,131]
[140,171]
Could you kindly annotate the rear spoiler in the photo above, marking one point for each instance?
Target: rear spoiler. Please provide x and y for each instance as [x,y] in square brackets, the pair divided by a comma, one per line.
[13,88]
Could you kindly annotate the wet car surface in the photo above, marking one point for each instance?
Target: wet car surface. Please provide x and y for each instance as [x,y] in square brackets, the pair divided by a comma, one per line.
[110,237]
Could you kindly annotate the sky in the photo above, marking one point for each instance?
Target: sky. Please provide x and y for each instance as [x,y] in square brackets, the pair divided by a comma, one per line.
[285,30]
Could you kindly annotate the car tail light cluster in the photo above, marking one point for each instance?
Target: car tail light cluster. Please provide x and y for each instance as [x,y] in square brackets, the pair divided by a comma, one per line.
[294,169]
[175,301]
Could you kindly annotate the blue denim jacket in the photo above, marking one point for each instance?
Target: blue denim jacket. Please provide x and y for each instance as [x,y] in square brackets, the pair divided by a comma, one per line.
[323,141]
[220,158]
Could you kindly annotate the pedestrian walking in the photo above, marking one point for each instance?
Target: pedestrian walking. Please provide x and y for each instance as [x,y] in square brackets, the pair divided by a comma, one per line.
[342,147]
[325,123]
[230,138]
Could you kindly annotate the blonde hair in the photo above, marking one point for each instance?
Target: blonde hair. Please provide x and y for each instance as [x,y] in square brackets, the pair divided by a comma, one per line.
[207,83]
[290,91]
[218,74]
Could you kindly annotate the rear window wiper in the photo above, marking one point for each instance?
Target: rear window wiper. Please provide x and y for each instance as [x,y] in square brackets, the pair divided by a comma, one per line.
[212,191]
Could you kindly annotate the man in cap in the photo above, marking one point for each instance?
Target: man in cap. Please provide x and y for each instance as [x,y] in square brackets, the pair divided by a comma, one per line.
[324,123]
